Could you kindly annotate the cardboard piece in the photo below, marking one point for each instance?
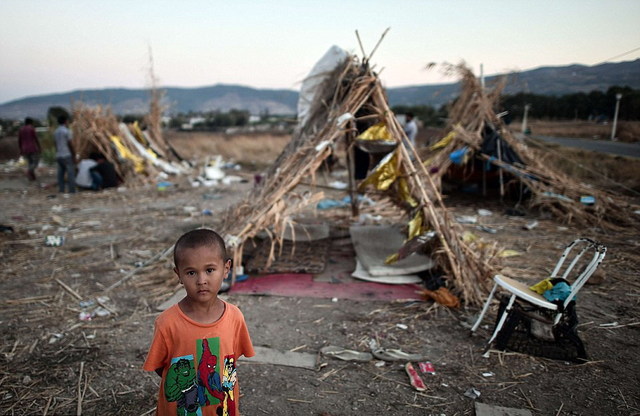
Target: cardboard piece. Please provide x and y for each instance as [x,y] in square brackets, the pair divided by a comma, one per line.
[265,355]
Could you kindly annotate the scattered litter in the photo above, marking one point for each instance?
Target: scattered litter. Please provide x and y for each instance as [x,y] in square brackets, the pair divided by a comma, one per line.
[213,173]
[338,185]
[55,338]
[415,379]
[402,326]
[228,180]
[57,208]
[488,374]
[345,354]
[467,219]
[588,200]
[637,211]
[530,226]
[334,300]
[487,229]
[87,303]
[441,295]
[207,212]
[380,363]
[189,209]
[162,186]
[426,367]
[9,229]
[609,324]
[390,354]
[509,253]
[472,393]
[54,241]
[85,316]
[484,212]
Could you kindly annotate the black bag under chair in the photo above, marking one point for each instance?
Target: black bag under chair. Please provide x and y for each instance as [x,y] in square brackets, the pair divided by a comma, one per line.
[530,330]
[544,324]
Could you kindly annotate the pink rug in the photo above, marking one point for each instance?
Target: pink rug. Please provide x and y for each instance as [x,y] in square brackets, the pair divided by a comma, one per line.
[302,285]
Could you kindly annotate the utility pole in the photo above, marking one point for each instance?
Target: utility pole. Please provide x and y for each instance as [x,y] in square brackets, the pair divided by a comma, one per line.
[524,118]
[615,117]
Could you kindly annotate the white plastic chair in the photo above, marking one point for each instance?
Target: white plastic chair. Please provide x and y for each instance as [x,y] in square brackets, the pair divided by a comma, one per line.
[519,290]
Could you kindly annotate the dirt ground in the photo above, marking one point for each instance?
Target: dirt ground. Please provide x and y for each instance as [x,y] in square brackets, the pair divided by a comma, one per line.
[55,363]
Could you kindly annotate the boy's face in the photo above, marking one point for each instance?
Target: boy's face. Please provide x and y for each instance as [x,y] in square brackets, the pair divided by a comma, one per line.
[201,270]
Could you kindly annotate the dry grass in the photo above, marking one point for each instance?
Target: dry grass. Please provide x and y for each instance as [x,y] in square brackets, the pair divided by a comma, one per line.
[627,131]
[251,150]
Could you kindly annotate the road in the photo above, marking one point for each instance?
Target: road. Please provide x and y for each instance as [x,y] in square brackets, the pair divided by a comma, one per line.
[602,146]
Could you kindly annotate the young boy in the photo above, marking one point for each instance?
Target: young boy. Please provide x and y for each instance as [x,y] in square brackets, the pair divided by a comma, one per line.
[197,341]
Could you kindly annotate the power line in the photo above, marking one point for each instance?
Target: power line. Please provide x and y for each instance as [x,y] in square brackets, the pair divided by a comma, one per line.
[618,56]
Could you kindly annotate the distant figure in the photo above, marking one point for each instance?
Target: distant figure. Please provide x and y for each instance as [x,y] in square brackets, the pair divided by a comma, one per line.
[105,173]
[86,178]
[65,155]
[411,128]
[29,147]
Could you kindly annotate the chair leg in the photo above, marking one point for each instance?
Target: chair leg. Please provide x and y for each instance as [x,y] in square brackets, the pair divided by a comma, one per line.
[503,318]
[484,308]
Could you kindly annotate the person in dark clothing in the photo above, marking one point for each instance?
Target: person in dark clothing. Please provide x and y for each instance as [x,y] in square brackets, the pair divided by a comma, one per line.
[29,147]
[104,173]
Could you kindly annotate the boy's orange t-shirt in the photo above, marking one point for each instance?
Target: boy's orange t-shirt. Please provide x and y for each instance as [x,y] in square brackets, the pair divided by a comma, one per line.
[198,362]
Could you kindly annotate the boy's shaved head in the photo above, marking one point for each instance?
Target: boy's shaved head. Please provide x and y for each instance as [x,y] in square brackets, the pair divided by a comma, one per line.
[198,238]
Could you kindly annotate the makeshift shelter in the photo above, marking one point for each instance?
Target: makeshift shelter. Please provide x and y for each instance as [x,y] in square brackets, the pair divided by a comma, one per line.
[475,131]
[344,93]
[136,155]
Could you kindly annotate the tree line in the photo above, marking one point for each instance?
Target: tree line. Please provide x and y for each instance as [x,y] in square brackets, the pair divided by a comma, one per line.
[595,106]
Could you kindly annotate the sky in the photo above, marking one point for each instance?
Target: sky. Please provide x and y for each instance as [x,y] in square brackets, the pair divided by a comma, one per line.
[65,45]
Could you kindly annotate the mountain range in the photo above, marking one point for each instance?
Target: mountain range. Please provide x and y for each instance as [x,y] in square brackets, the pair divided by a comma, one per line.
[558,80]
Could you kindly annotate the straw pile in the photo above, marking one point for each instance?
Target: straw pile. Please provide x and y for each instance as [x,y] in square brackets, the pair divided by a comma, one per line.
[354,89]
[552,190]
[138,156]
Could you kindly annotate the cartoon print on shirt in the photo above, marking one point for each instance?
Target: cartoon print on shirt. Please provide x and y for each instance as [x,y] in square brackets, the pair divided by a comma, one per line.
[229,379]
[208,378]
[180,386]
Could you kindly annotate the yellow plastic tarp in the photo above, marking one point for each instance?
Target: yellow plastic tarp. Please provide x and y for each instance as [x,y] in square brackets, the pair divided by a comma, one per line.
[378,131]
[444,141]
[124,152]
[384,174]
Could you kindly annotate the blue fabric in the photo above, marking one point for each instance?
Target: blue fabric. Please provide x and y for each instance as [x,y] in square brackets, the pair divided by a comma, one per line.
[457,157]
[559,291]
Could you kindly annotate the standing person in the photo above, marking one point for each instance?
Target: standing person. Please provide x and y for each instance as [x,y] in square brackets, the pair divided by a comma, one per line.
[197,342]
[65,155]
[29,147]
[411,128]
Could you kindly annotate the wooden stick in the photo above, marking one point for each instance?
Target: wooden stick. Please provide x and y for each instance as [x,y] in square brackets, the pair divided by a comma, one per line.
[68,289]
[46,408]
[79,407]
